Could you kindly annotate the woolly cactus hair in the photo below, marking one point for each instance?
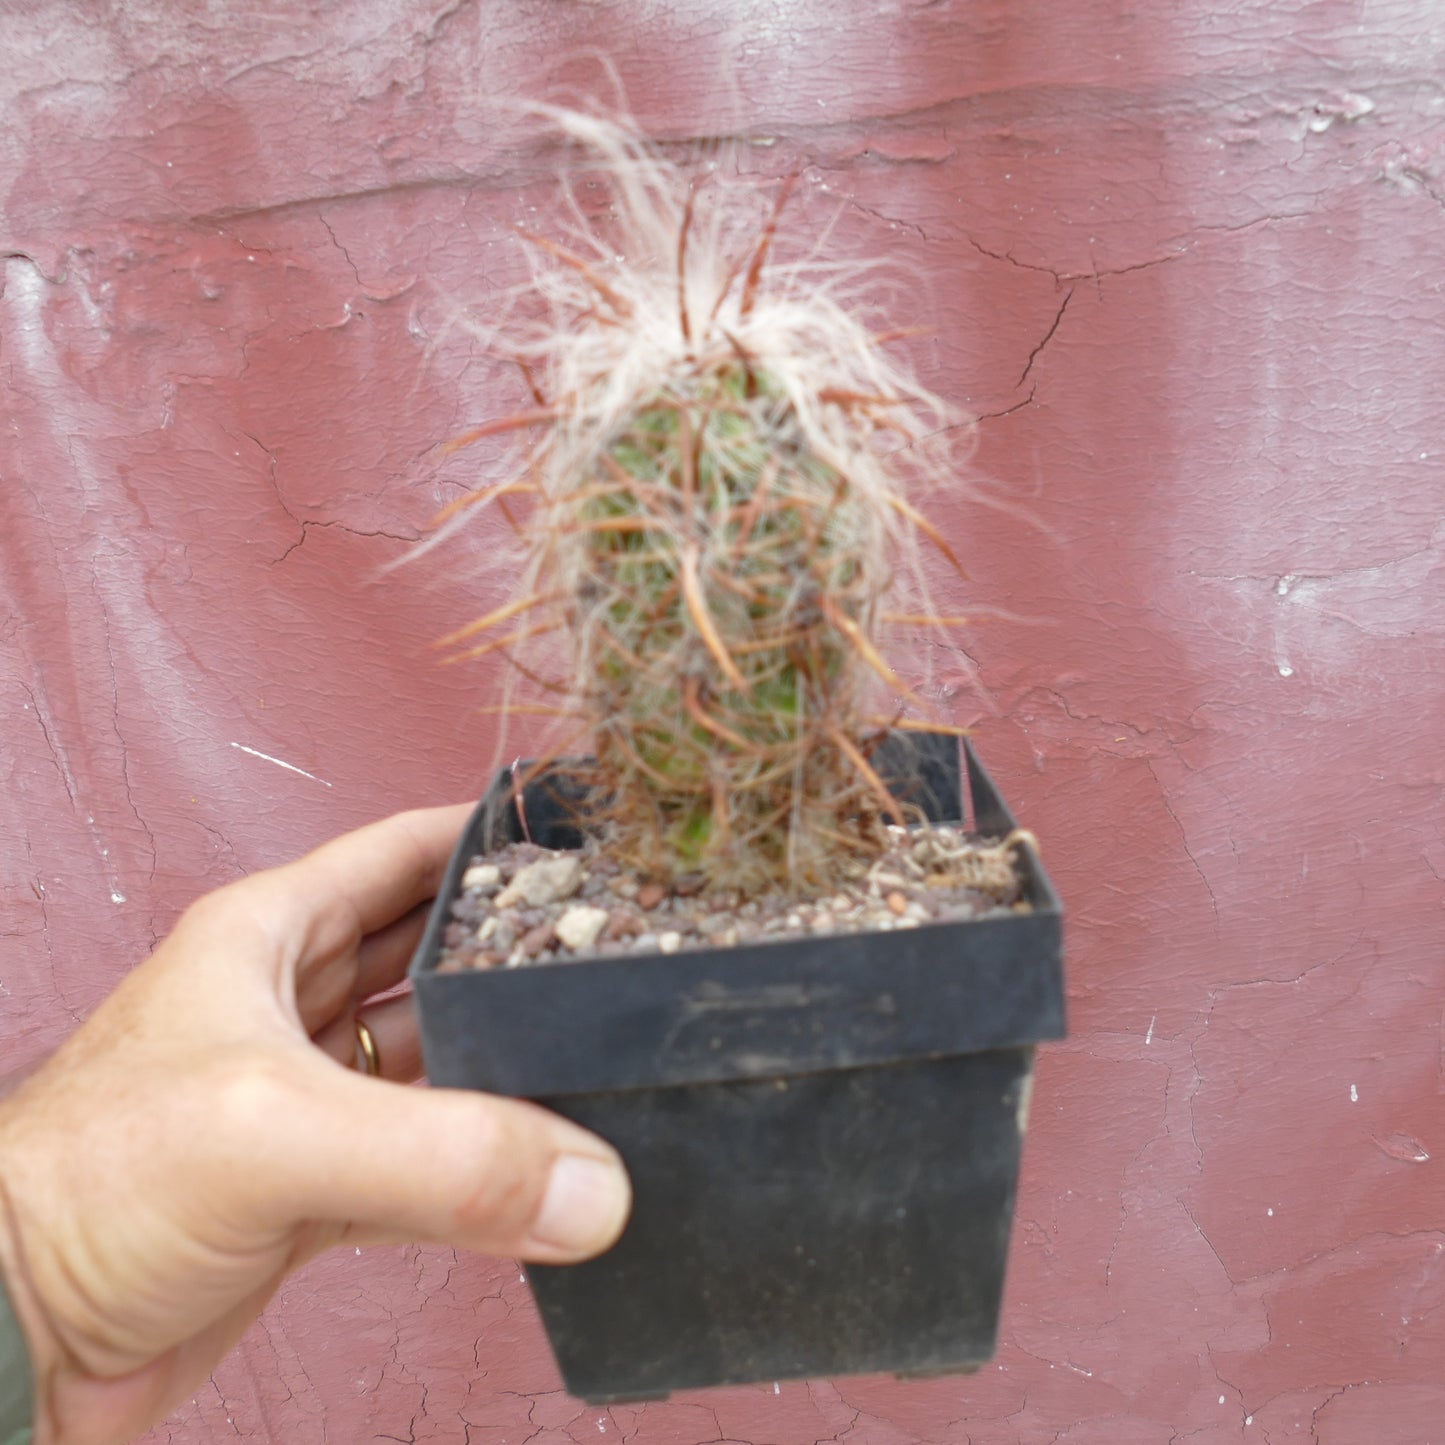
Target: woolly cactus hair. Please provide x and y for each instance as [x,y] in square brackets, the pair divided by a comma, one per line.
[717,461]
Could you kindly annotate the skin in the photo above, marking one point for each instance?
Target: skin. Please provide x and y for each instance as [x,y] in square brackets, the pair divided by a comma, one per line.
[203,1135]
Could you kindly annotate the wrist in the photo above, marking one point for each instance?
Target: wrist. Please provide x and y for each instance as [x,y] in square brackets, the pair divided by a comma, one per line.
[29,1374]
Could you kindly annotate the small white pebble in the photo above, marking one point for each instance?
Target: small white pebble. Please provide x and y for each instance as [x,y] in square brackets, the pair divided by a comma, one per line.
[482,878]
[548,880]
[580,925]
[669,942]
[488,928]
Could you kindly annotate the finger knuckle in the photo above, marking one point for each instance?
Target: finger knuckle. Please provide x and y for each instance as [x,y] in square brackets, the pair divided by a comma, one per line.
[502,1197]
[252,1095]
[227,913]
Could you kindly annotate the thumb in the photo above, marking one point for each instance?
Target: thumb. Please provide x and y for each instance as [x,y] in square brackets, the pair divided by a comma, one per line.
[449,1166]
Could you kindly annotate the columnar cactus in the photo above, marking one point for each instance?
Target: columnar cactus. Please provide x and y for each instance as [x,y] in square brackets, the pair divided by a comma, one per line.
[717,469]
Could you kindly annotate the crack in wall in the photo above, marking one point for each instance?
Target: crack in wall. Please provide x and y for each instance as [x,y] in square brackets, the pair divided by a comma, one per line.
[1065,277]
[1048,337]
[320,216]
[226,843]
[1110,726]
[307,525]
[226,1408]
[1006,411]
[275,484]
[1199,1230]
[893,222]
[1330,1400]
[50,744]
[1184,843]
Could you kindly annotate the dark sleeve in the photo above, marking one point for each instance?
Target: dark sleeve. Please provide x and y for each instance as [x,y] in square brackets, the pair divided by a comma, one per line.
[16,1396]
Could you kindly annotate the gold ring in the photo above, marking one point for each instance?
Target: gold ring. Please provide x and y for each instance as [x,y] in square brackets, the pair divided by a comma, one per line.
[369,1061]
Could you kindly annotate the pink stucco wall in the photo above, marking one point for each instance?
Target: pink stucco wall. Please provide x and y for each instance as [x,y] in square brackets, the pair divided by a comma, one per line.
[1185,261]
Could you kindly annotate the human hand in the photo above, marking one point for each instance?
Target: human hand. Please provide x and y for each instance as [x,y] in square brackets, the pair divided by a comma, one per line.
[199,1138]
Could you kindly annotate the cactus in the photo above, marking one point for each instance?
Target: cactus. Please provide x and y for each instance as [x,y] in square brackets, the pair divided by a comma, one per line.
[716,463]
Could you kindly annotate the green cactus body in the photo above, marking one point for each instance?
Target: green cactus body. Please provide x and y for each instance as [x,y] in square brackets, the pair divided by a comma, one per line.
[704,546]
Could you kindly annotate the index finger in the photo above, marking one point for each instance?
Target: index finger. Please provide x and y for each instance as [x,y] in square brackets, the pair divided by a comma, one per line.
[362,881]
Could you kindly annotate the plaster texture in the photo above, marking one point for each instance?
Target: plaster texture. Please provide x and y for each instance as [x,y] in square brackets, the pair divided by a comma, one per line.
[1185,264]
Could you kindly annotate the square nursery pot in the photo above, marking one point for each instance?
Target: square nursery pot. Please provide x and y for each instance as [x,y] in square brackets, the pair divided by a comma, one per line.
[823,1133]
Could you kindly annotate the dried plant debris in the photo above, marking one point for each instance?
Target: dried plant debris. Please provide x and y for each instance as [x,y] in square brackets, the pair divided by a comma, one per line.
[527,905]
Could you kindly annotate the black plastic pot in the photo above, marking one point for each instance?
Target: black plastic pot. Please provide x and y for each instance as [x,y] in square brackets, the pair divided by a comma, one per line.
[823,1134]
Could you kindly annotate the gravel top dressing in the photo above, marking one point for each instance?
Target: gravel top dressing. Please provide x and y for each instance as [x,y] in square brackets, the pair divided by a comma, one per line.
[527,905]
